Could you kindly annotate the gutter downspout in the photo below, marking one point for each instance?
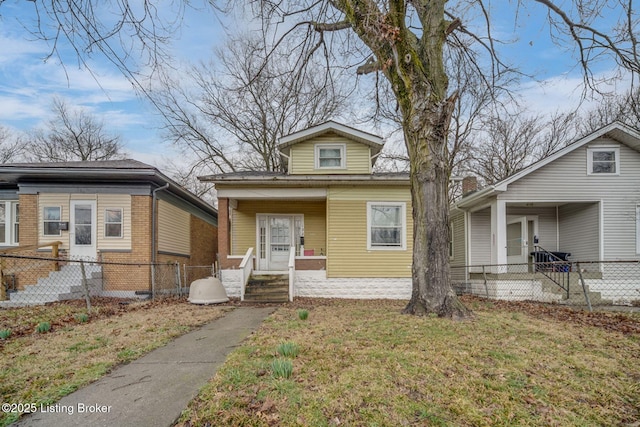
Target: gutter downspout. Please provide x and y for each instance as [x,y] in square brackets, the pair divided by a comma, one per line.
[154,214]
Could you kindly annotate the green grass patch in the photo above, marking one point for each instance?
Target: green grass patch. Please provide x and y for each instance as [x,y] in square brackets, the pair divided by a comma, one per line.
[303,314]
[281,368]
[364,363]
[5,334]
[288,349]
[43,327]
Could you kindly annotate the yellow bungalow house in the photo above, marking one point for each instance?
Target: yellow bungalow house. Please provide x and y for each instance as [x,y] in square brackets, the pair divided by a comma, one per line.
[327,227]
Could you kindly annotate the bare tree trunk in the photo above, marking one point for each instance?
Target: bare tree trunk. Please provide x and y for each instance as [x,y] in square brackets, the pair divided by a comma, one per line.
[425,137]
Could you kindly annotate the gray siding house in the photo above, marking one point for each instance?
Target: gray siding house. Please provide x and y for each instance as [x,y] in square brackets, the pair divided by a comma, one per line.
[584,200]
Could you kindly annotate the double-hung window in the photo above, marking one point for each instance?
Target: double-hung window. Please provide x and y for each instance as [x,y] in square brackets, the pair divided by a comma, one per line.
[330,156]
[9,223]
[52,215]
[386,225]
[113,222]
[603,161]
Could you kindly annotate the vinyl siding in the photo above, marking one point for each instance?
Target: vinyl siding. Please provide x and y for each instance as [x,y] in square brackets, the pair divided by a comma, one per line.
[459,253]
[480,235]
[580,230]
[302,156]
[347,253]
[173,229]
[243,222]
[566,180]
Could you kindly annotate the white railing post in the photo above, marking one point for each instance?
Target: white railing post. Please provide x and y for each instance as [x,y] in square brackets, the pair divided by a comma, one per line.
[292,270]
[246,267]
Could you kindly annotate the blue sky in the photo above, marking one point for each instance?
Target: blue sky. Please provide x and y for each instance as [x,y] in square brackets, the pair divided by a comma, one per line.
[28,83]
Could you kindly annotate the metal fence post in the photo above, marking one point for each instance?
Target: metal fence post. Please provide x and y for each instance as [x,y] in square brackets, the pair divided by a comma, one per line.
[584,287]
[178,277]
[486,286]
[85,286]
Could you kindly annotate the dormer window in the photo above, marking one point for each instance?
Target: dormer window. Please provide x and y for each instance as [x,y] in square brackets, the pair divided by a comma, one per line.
[330,156]
[603,161]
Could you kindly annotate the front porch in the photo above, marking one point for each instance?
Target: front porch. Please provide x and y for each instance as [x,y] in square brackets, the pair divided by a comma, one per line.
[510,232]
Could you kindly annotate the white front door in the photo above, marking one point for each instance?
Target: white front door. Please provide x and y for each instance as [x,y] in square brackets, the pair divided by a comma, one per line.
[82,230]
[517,242]
[279,241]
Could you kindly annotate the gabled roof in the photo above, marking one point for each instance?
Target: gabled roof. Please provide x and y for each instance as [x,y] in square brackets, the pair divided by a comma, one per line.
[617,131]
[373,141]
[97,172]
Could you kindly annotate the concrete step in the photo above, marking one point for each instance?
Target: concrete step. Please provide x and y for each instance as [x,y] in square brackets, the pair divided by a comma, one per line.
[267,288]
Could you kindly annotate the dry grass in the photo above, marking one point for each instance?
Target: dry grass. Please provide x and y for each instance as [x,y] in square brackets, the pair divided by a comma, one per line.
[363,363]
[42,368]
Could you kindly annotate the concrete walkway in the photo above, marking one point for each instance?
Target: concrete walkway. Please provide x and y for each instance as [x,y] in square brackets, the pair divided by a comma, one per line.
[153,390]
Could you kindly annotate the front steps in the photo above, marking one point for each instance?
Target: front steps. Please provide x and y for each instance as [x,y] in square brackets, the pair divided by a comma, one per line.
[58,286]
[267,288]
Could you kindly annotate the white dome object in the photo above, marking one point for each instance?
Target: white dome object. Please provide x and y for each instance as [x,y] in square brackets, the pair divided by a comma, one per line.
[207,291]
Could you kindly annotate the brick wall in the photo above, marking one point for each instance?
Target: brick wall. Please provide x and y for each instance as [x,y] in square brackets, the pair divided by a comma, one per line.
[204,242]
[25,271]
[136,278]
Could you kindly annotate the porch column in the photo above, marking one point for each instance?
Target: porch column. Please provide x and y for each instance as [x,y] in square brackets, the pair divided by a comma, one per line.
[223,231]
[498,235]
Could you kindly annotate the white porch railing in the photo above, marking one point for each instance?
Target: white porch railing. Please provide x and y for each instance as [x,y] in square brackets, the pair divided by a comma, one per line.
[246,266]
[292,270]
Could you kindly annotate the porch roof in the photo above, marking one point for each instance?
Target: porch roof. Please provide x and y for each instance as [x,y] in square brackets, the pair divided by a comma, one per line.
[282,179]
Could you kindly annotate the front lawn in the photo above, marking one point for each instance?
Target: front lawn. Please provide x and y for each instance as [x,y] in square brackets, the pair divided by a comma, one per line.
[40,368]
[363,363]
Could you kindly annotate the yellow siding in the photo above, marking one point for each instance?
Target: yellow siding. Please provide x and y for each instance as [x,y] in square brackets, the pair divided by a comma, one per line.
[358,156]
[347,254]
[174,229]
[53,199]
[243,222]
[121,201]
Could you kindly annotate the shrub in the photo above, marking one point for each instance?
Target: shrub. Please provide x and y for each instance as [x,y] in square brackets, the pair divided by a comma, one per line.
[82,318]
[43,327]
[281,368]
[303,314]
[5,333]
[288,349]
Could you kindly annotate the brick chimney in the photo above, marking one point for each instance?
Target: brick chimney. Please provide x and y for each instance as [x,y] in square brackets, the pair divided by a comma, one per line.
[469,184]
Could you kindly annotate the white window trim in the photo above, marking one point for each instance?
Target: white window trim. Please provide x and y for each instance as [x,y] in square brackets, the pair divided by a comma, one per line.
[121,236]
[44,220]
[343,155]
[403,234]
[592,150]
[9,222]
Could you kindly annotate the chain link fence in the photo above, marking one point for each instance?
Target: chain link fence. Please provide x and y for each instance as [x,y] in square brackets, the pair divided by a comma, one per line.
[30,280]
[594,283]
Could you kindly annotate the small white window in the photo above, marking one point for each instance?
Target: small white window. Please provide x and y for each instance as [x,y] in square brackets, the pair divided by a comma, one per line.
[52,216]
[386,225]
[113,222]
[330,156]
[603,161]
